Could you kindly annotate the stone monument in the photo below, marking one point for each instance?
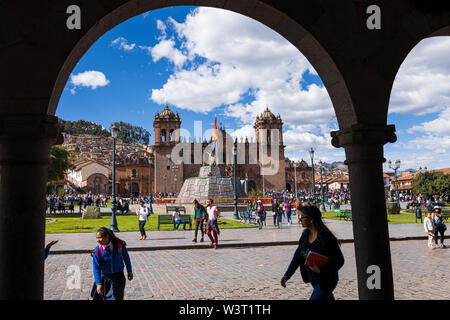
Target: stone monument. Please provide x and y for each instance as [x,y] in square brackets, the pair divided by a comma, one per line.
[91,212]
[212,182]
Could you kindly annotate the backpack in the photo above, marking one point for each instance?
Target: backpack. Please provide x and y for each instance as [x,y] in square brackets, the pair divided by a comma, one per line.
[260,209]
[100,251]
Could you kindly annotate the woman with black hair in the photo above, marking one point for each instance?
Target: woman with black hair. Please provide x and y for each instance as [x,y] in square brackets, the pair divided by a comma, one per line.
[108,262]
[318,240]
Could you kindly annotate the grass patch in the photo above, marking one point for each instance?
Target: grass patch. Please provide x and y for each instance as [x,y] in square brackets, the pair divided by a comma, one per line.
[402,218]
[74,224]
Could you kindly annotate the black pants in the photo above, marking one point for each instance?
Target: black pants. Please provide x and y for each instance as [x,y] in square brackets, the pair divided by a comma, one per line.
[141,227]
[199,224]
[113,287]
[439,230]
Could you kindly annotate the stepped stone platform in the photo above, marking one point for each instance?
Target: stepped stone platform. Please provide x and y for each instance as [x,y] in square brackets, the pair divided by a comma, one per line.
[210,183]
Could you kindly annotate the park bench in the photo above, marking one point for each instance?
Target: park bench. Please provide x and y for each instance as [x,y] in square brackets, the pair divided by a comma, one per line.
[346,215]
[445,215]
[171,209]
[63,207]
[167,219]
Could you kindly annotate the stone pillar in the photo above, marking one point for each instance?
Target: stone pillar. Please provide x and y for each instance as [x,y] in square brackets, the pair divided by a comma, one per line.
[364,153]
[25,142]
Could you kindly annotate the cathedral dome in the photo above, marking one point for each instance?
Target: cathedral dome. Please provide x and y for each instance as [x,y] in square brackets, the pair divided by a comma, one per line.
[167,114]
[267,114]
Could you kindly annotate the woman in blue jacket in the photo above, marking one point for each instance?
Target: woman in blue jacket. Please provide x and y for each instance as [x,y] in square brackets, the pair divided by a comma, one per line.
[108,262]
[317,238]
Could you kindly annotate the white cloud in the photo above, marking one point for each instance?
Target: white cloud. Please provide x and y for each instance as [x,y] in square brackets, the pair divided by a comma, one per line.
[122,43]
[166,49]
[436,144]
[241,58]
[439,126]
[422,84]
[91,79]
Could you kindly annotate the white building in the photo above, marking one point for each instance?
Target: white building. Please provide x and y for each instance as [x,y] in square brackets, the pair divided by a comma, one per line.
[90,176]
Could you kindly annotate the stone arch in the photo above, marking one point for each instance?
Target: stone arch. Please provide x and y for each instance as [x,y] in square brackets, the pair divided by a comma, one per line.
[288,186]
[278,21]
[251,185]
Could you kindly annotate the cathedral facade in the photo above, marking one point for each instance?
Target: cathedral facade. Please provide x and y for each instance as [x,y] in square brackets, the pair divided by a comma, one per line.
[261,164]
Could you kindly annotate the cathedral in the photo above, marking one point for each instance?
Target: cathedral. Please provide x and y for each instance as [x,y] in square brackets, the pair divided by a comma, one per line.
[260,165]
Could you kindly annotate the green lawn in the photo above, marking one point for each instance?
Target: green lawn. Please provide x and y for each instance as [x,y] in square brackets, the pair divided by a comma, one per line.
[74,224]
[402,218]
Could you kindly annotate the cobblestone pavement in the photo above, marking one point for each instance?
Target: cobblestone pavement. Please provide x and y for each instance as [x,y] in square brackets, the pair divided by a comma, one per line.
[248,273]
[269,234]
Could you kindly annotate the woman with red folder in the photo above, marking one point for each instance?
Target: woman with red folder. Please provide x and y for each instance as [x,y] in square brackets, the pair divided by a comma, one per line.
[318,255]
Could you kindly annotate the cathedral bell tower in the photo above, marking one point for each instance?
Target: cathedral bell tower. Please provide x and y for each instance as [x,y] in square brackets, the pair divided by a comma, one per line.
[166,125]
[269,138]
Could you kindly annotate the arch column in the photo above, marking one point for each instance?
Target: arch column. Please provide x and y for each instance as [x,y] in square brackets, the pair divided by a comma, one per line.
[25,142]
[364,153]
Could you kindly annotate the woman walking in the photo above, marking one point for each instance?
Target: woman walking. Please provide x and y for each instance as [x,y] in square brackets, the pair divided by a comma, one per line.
[277,212]
[199,215]
[143,215]
[316,240]
[108,259]
[287,210]
[211,225]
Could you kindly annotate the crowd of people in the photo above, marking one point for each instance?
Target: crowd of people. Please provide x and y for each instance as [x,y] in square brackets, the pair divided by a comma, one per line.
[318,255]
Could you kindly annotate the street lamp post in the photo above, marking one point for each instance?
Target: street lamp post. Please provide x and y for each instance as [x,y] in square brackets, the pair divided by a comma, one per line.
[235,216]
[150,162]
[114,131]
[174,169]
[424,183]
[321,185]
[246,184]
[295,178]
[311,153]
[133,176]
[395,168]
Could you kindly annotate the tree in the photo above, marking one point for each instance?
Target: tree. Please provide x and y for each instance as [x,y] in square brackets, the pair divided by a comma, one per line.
[59,163]
[431,183]
[83,127]
[129,133]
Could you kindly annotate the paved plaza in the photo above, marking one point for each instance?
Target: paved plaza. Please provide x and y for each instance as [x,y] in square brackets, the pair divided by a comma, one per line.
[248,264]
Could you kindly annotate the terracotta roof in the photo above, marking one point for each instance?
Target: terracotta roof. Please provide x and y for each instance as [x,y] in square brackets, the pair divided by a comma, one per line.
[443,170]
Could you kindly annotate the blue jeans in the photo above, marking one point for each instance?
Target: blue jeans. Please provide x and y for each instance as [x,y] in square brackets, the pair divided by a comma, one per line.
[320,294]
[178,222]
[288,216]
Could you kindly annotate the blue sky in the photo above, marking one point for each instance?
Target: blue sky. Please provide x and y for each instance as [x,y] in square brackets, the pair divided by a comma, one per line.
[204,62]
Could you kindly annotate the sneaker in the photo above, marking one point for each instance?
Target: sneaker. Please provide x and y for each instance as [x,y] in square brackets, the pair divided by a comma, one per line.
[195,240]
[201,240]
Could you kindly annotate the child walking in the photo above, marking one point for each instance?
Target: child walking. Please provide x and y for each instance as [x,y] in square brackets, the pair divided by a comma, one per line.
[108,260]
[428,225]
